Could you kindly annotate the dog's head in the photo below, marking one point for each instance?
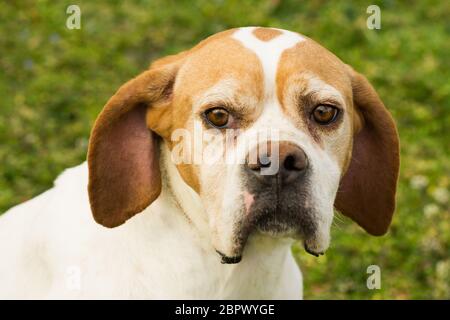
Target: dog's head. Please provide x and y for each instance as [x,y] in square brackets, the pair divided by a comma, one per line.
[271,130]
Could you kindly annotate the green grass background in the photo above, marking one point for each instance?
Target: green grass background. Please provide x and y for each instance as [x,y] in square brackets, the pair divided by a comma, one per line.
[54,81]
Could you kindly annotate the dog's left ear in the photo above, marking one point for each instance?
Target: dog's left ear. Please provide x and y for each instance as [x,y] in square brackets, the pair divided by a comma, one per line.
[367,190]
[124,174]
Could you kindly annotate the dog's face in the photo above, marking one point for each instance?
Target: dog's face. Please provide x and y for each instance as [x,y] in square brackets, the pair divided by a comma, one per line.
[269,128]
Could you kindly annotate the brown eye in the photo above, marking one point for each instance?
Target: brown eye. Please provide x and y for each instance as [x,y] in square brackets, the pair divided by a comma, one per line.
[218,117]
[324,114]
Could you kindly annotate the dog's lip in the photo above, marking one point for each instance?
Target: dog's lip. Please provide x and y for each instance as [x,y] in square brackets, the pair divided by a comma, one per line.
[229,260]
[308,250]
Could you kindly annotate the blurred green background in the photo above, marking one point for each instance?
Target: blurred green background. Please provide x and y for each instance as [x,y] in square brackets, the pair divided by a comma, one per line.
[54,81]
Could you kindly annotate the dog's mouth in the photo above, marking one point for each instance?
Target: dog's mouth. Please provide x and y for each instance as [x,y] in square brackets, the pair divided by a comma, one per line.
[276,218]
[287,214]
[276,210]
[225,259]
[312,252]
[229,260]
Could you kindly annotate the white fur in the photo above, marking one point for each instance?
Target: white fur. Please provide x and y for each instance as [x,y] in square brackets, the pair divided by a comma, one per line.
[47,242]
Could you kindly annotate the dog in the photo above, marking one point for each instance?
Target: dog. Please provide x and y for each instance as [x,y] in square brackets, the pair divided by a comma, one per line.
[142,219]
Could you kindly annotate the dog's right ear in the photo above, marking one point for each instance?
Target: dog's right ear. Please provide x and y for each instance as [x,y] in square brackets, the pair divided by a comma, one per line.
[124,174]
[367,190]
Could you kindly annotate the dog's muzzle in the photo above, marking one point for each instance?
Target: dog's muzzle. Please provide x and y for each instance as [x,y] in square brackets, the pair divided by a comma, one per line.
[277,182]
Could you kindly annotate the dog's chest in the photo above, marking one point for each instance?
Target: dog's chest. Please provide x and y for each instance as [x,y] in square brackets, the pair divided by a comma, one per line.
[179,264]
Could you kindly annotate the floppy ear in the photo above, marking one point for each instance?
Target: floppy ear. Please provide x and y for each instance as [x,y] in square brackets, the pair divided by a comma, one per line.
[124,175]
[367,190]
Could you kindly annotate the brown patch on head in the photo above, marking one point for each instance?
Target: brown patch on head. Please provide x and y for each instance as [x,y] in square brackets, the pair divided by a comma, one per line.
[266,34]
[217,59]
[214,59]
[304,73]
[308,59]
[308,56]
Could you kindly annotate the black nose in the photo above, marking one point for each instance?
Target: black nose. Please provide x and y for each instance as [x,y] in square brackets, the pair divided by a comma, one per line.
[285,160]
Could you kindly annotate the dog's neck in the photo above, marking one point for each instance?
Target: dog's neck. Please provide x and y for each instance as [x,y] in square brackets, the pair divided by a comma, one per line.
[182,194]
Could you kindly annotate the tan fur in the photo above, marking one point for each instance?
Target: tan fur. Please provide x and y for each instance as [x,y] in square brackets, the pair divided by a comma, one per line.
[296,66]
[222,58]
[266,34]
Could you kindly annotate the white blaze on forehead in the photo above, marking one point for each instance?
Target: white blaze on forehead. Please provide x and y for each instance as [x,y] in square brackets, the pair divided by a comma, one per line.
[268,52]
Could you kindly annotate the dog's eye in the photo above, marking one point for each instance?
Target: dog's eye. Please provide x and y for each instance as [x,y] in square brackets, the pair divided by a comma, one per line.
[324,114]
[218,117]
